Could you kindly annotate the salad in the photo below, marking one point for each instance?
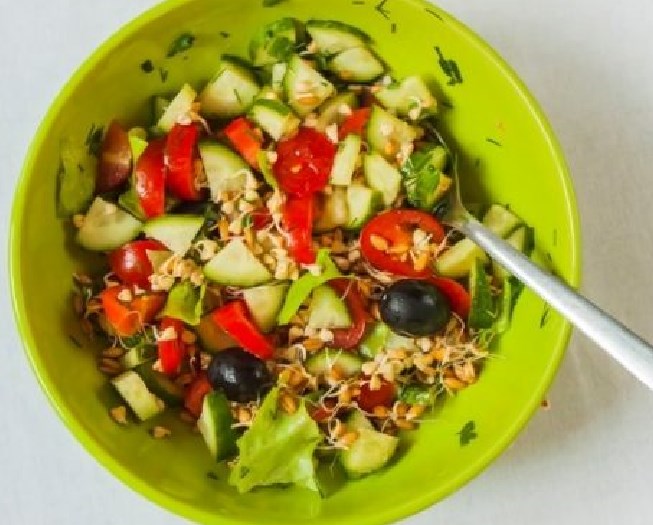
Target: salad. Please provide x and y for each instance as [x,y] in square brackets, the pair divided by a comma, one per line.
[274,267]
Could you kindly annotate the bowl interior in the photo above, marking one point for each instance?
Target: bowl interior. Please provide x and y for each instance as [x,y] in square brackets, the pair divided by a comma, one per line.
[508,155]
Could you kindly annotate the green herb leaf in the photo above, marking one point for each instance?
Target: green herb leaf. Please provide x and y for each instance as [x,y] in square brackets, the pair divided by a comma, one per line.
[185,302]
[93,140]
[182,43]
[380,7]
[468,433]
[147,67]
[421,175]
[450,68]
[270,3]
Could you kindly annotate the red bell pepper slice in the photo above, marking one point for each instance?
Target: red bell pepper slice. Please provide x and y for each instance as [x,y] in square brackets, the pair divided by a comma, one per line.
[245,140]
[172,351]
[459,298]
[127,318]
[150,179]
[131,263]
[181,155]
[348,338]
[355,123]
[195,394]
[369,399]
[297,221]
[235,319]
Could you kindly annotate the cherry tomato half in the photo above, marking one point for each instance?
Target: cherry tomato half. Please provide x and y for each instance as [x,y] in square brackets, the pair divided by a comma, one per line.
[304,162]
[383,397]
[115,164]
[261,218]
[131,263]
[245,140]
[355,123]
[297,221]
[396,227]
[149,179]
[180,156]
[348,338]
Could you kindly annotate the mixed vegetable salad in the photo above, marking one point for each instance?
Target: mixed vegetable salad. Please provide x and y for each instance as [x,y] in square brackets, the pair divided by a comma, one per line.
[276,269]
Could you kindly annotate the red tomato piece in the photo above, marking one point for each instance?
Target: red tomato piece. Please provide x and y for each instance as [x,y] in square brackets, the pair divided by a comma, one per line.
[195,394]
[355,123]
[261,218]
[458,296]
[297,221]
[396,227]
[150,178]
[304,162]
[245,140]
[115,163]
[321,413]
[171,351]
[127,318]
[235,319]
[180,156]
[348,338]
[131,263]
[383,397]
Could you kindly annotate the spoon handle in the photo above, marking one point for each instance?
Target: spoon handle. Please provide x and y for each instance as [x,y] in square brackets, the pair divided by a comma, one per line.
[635,354]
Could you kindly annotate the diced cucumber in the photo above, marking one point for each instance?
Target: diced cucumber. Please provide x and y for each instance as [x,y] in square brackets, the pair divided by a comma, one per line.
[212,337]
[334,211]
[76,180]
[383,177]
[400,342]
[504,307]
[346,159]
[411,98]
[231,92]
[236,265]
[161,385]
[138,145]
[459,260]
[180,106]
[331,37]
[423,179]
[306,89]
[134,391]
[336,109]
[278,74]
[215,425]
[357,421]
[324,361]
[388,134]
[159,107]
[138,355]
[375,341]
[363,204]
[276,119]
[500,220]
[357,64]
[225,170]
[521,239]
[481,313]
[274,42]
[328,310]
[107,227]
[266,169]
[176,232]
[370,452]
[264,303]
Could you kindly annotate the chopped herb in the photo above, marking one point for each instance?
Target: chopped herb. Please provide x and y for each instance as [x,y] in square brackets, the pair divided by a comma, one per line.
[545,316]
[80,168]
[494,141]
[380,7]
[446,104]
[434,13]
[477,163]
[224,34]
[213,476]
[164,74]
[450,68]
[94,139]
[270,3]
[358,2]
[243,472]
[147,67]
[182,43]
[247,220]
[238,97]
[393,28]
[75,341]
[468,433]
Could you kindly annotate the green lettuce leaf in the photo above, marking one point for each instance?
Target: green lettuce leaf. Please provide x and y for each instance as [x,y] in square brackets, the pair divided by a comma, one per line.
[304,286]
[185,303]
[277,449]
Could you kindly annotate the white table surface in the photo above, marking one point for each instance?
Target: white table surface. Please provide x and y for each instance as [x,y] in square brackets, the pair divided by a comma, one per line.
[587,460]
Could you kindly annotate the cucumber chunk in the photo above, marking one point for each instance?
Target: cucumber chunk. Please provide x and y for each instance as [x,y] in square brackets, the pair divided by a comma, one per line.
[161,385]
[236,265]
[375,341]
[388,134]
[176,232]
[370,452]
[334,211]
[357,421]
[274,42]
[459,260]
[500,220]
[275,118]
[136,394]
[212,337]
[264,303]
[139,355]
[215,426]
[346,159]
[76,180]
[107,227]
[328,310]
[481,313]
[225,170]
[357,64]
[521,239]
[324,361]
[383,177]
[179,108]
[336,109]
[411,98]
[278,74]
[363,203]
[331,37]
[231,92]
[306,89]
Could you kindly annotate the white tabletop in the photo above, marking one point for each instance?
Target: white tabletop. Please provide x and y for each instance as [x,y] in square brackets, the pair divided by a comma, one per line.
[587,460]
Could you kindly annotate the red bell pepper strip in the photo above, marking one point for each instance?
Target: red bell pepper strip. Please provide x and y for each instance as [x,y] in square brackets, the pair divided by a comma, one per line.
[297,221]
[348,338]
[171,351]
[245,140]
[235,319]
[181,155]
[459,298]
[128,317]
[195,394]
[369,399]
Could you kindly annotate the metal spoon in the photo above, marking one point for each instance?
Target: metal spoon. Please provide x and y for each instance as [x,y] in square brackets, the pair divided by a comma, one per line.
[634,354]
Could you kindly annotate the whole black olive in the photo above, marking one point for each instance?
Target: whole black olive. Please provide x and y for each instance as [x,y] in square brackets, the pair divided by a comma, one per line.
[240,375]
[414,308]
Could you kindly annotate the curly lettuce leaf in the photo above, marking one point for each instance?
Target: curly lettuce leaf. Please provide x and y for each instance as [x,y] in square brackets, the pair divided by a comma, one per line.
[277,449]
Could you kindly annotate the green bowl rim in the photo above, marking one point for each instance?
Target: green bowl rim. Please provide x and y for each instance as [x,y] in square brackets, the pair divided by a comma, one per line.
[131,478]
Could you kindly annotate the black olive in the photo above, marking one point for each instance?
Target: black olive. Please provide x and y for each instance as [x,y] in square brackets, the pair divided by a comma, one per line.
[414,308]
[240,375]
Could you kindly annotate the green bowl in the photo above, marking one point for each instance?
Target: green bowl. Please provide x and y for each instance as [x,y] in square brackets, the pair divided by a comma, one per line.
[509,155]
